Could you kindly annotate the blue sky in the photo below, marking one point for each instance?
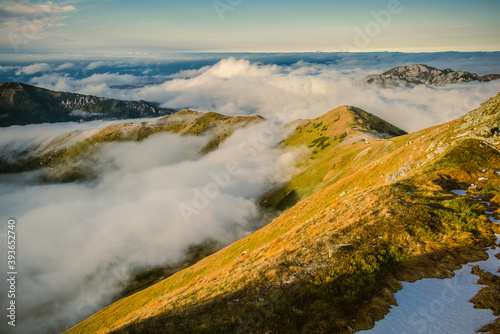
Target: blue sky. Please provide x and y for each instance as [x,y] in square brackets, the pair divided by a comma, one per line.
[101,26]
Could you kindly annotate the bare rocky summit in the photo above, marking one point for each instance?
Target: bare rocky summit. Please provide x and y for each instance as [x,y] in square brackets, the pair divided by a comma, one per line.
[419,74]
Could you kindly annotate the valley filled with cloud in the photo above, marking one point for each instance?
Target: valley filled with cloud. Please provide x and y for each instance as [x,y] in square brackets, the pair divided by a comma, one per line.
[80,241]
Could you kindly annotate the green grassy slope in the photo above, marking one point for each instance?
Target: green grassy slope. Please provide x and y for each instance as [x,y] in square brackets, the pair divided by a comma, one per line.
[63,162]
[331,263]
[339,142]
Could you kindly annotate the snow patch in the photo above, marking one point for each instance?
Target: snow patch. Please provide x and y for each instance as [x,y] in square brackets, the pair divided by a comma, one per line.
[462,135]
[440,305]
[459,192]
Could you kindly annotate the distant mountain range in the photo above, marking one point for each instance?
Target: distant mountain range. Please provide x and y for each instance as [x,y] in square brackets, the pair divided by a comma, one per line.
[419,74]
[22,104]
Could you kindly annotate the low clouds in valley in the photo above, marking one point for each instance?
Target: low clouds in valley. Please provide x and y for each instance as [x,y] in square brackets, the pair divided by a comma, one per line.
[77,242]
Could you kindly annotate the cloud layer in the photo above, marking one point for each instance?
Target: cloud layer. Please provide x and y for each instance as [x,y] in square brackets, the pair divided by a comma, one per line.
[78,242]
[286,92]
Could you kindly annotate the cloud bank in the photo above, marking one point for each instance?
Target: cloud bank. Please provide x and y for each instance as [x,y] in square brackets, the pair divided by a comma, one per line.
[78,242]
[35,68]
[285,93]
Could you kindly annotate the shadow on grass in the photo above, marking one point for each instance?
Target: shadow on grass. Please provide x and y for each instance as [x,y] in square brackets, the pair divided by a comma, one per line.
[326,302]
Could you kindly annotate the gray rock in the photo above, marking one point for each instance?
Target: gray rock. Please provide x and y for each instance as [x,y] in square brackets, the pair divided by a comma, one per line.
[418,74]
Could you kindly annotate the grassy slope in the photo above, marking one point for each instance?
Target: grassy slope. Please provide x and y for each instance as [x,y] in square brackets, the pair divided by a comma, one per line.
[67,163]
[393,207]
[340,141]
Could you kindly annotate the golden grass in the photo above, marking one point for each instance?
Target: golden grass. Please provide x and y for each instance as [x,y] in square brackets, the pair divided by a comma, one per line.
[378,217]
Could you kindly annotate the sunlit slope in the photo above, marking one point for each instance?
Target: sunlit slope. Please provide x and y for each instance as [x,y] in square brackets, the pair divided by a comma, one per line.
[331,262]
[72,156]
[339,143]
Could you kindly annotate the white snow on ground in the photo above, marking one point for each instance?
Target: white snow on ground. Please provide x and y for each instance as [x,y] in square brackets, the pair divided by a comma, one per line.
[462,135]
[459,192]
[493,220]
[439,305]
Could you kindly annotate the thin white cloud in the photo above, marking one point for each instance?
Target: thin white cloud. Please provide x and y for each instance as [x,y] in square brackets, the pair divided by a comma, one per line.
[96,84]
[95,65]
[7,68]
[23,8]
[65,66]
[34,68]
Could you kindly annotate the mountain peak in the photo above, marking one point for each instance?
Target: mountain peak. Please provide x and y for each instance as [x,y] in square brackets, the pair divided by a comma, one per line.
[418,74]
[360,120]
[22,104]
[371,123]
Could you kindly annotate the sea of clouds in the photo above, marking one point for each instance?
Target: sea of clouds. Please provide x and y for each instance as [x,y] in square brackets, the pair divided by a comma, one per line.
[290,88]
[78,242]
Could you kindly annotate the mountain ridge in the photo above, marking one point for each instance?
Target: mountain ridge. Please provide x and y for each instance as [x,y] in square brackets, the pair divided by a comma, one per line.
[332,262]
[22,104]
[420,74]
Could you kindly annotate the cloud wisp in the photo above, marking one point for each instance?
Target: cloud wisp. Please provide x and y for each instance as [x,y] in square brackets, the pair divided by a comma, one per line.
[34,68]
[24,21]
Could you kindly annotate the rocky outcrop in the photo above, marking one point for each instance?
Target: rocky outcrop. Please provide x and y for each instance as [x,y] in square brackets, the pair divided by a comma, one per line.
[22,104]
[482,123]
[419,74]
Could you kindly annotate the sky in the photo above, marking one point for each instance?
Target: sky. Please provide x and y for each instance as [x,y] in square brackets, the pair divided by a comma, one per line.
[126,26]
